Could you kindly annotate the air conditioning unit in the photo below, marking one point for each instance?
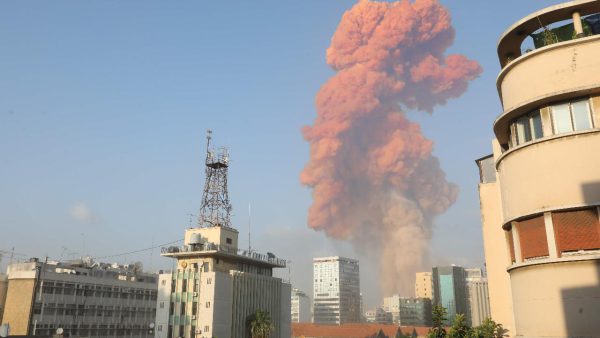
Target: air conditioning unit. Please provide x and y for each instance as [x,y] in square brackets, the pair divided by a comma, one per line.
[193,317]
[195,294]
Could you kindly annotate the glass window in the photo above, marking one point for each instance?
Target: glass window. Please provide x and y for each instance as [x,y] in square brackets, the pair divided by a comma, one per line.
[581,115]
[562,118]
[523,132]
[536,126]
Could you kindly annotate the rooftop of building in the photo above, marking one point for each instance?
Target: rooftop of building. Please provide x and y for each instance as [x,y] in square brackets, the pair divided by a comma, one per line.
[85,267]
[509,44]
[215,250]
[359,330]
[334,259]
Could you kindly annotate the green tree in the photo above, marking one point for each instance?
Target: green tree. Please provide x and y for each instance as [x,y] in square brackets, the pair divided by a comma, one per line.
[261,325]
[460,328]
[438,315]
[489,329]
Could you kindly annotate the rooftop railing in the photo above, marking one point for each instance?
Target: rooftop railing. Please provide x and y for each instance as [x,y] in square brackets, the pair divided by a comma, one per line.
[206,247]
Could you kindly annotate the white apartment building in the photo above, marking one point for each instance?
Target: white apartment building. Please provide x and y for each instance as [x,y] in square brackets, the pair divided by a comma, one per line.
[478,296]
[301,307]
[336,290]
[83,298]
[217,287]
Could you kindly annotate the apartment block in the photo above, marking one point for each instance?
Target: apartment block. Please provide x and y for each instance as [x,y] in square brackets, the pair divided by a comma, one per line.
[423,285]
[301,307]
[83,297]
[540,187]
[336,290]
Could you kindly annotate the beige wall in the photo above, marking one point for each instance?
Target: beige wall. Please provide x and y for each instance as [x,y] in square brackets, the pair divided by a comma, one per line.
[555,173]
[551,71]
[423,285]
[557,299]
[496,256]
[215,235]
[18,305]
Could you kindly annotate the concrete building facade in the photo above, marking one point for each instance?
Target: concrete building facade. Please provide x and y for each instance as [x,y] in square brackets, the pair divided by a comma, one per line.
[449,290]
[378,315]
[217,287]
[477,296]
[423,285]
[301,307]
[84,298]
[540,189]
[336,290]
[408,311]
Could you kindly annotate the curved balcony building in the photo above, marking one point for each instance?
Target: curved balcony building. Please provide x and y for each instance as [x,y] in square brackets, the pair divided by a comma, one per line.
[540,189]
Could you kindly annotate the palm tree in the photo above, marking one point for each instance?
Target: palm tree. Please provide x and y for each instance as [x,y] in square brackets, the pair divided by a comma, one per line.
[261,325]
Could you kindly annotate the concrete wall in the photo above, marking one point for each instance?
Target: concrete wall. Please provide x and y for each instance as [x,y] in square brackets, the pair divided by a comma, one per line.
[163,301]
[18,305]
[497,256]
[557,299]
[549,72]
[556,173]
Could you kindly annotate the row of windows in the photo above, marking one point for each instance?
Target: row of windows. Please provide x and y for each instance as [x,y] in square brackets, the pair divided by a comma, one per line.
[574,231]
[565,118]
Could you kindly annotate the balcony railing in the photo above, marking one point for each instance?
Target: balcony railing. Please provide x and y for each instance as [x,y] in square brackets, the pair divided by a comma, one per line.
[206,247]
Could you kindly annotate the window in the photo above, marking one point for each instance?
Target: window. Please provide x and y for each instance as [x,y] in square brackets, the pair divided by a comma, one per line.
[570,116]
[206,328]
[209,281]
[576,230]
[532,237]
[159,328]
[527,128]
[207,305]
[163,282]
[228,240]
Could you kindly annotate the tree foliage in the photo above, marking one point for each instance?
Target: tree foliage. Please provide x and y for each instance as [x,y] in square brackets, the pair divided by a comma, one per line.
[460,328]
[261,325]
[438,316]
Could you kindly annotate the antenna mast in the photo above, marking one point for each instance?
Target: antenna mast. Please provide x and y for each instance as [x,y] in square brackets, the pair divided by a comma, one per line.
[215,209]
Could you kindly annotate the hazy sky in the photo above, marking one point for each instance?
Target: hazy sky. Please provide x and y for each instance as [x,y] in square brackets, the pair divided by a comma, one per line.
[104,107]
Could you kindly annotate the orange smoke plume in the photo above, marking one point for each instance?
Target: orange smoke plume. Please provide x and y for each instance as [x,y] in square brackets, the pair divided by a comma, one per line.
[374,179]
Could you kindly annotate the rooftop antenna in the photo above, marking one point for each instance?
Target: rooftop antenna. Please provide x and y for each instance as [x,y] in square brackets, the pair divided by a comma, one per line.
[249,223]
[215,209]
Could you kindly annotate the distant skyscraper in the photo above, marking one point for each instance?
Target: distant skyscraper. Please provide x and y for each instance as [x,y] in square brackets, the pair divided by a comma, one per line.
[336,290]
[423,285]
[477,296]
[300,307]
[449,290]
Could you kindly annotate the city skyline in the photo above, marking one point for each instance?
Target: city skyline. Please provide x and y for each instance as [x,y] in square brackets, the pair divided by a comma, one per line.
[92,161]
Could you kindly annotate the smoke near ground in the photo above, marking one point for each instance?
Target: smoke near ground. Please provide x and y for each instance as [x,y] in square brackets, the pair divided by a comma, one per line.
[375,181]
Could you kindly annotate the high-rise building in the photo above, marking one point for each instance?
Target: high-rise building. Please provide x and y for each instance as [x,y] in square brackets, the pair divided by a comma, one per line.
[423,285]
[301,307]
[477,296]
[217,287]
[408,311]
[336,290]
[540,189]
[83,298]
[449,290]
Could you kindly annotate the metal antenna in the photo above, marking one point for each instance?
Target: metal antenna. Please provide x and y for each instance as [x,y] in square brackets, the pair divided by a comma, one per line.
[215,209]
[249,223]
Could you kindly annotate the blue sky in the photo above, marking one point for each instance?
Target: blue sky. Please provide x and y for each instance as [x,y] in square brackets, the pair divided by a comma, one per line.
[104,107]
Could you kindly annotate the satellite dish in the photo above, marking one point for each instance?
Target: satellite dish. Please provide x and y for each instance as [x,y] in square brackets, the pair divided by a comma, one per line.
[151,325]
[59,330]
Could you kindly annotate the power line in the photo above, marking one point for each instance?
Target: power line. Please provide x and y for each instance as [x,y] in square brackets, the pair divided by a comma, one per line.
[137,251]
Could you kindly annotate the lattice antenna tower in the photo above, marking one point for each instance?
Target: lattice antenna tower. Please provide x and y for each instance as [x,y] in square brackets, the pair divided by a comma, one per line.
[215,210]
